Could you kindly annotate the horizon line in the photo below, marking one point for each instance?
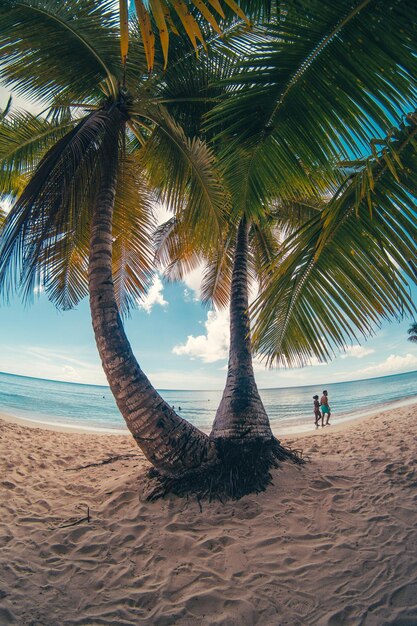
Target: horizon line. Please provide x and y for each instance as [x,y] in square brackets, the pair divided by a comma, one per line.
[340,382]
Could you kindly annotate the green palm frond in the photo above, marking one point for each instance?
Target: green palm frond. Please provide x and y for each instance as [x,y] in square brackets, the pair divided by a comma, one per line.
[289,214]
[192,86]
[185,173]
[325,80]
[264,243]
[24,139]
[217,278]
[349,267]
[256,177]
[64,261]
[133,226]
[2,217]
[6,110]
[54,207]
[62,266]
[176,252]
[50,49]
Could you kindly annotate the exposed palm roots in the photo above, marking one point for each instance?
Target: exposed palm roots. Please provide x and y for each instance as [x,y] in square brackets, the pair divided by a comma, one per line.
[242,467]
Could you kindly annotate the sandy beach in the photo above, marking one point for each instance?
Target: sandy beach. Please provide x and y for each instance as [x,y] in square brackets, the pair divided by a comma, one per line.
[331,543]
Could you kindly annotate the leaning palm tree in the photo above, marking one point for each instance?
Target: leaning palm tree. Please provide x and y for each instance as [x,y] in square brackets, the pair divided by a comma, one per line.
[83,220]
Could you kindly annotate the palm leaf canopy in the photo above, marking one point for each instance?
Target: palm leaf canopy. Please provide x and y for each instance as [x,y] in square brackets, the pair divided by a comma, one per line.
[324,80]
[347,268]
[51,49]
[57,160]
[190,90]
[316,93]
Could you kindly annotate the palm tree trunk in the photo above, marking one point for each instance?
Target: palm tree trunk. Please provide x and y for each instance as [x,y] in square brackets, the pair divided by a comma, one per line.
[241,414]
[246,447]
[169,442]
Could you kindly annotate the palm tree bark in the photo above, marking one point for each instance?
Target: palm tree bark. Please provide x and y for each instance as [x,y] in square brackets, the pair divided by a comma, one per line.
[169,442]
[241,413]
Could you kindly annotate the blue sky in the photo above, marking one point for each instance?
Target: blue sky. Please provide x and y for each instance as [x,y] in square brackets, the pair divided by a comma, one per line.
[179,343]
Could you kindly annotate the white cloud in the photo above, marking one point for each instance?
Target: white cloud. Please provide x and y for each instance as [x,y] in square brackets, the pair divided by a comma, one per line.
[18,102]
[193,281]
[6,204]
[154,296]
[162,214]
[356,351]
[393,364]
[214,345]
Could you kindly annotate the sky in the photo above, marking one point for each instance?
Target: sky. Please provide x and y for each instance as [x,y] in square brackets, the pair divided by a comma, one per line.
[179,343]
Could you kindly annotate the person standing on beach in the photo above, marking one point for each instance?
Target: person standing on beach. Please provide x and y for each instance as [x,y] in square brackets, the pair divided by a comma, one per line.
[325,408]
[317,414]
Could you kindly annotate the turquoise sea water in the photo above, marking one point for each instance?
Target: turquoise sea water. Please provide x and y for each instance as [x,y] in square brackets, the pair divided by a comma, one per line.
[290,408]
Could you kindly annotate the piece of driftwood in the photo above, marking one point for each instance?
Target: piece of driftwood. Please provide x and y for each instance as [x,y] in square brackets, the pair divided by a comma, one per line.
[111,459]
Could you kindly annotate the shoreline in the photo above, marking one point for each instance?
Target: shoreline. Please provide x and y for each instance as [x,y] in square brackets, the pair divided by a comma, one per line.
[292,432]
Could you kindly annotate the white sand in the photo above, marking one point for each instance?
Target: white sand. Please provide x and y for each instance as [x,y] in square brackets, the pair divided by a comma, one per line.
[332,543]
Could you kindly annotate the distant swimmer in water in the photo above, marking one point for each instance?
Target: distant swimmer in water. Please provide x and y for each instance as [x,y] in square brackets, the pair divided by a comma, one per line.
[179,408]
[325,408]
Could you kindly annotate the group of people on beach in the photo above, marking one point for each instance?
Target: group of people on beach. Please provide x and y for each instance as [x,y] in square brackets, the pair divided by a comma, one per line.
[322,409]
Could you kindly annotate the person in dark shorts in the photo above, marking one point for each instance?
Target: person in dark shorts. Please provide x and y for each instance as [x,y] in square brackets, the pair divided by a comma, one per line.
[325,408]
[317,414]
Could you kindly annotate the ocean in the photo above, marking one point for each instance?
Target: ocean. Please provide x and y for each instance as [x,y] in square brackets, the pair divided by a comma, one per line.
[289,409]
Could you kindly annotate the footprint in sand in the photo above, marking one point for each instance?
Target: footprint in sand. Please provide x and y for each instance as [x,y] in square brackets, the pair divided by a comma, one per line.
[7,484]
[321,483]
[248,510]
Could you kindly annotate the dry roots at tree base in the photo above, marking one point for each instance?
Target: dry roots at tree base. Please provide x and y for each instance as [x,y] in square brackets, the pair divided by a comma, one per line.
[241,469]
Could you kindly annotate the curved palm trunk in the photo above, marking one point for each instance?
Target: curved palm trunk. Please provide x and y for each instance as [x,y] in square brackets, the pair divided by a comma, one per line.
[241,413]
[171,443]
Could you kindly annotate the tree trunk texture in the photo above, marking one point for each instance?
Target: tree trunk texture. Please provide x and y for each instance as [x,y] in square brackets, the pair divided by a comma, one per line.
[169,442]
[241,413]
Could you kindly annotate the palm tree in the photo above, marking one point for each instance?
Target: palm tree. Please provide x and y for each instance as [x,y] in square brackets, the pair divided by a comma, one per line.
[86,206]
[412,331]
[299,112]
[241,429]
